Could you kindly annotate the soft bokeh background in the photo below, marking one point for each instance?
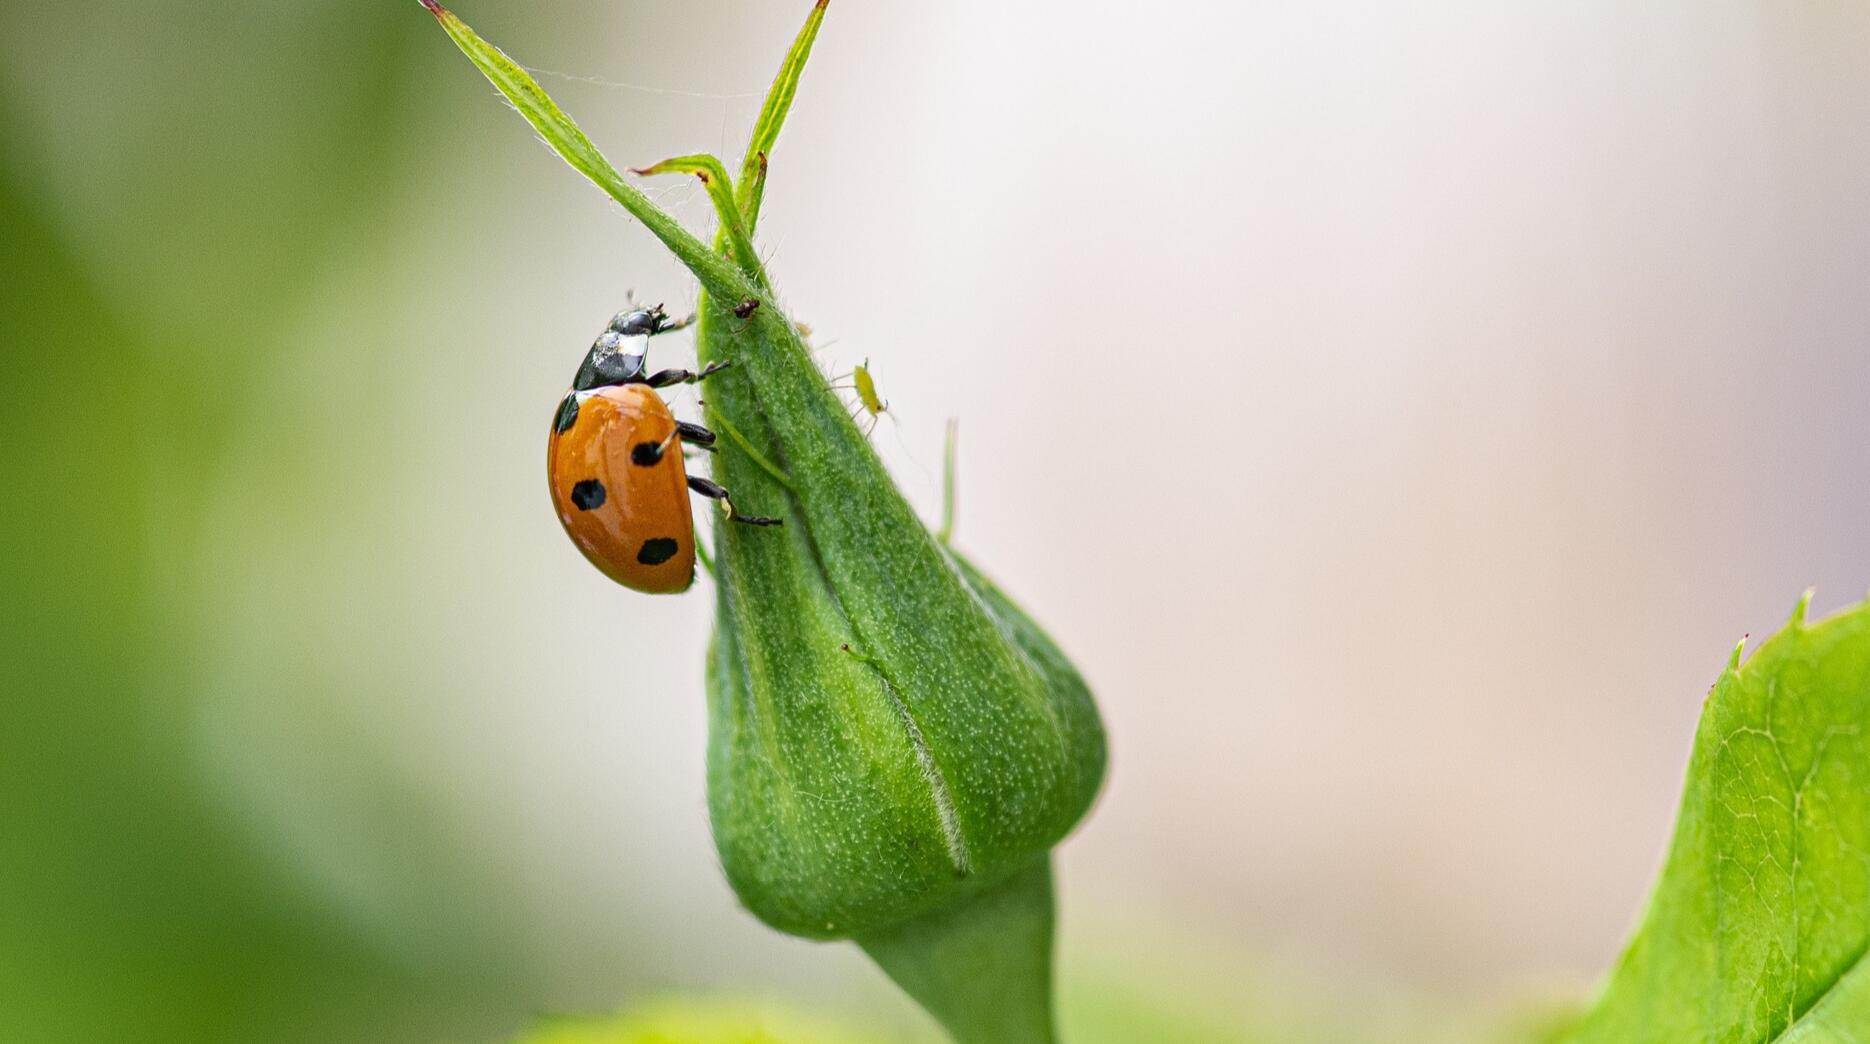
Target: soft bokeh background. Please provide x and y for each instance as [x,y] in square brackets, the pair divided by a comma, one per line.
[1398,413]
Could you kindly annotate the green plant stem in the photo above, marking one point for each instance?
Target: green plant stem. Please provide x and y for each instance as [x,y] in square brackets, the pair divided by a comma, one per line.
[982,967]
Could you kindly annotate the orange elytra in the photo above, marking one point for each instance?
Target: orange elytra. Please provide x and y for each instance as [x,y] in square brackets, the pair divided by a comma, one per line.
[614,462]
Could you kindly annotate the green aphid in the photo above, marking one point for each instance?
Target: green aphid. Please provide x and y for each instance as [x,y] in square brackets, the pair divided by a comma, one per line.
[868,401]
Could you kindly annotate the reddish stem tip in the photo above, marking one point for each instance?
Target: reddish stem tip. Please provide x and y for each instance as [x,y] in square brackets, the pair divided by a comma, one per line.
[434,8]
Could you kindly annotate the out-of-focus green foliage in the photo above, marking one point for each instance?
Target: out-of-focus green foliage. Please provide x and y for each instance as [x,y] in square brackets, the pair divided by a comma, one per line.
[1189,998]
[1758,927]
[702,1020]
[174,183]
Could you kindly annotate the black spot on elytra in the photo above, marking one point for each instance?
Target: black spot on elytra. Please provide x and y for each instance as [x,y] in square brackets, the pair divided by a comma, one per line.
[656,550]
[588,494]
[645,454]
[567,414]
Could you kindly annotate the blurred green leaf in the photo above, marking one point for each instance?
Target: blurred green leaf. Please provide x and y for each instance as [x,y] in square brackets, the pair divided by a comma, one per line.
[203,186]
[700,1020]
[126,903]
[1758,927]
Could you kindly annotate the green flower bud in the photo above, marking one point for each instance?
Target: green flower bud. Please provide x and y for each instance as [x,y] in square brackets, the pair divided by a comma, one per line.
[887,729]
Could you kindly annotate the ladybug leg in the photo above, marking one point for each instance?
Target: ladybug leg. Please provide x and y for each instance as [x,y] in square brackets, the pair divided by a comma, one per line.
[695,433]
[711,490]
[715,491]
[664,378]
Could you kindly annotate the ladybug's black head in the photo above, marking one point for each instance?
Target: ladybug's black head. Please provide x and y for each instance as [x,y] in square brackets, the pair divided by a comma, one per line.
[608,362]
[639,322]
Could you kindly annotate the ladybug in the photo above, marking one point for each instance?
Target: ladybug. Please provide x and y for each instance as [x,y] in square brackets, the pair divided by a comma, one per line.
[614,461]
